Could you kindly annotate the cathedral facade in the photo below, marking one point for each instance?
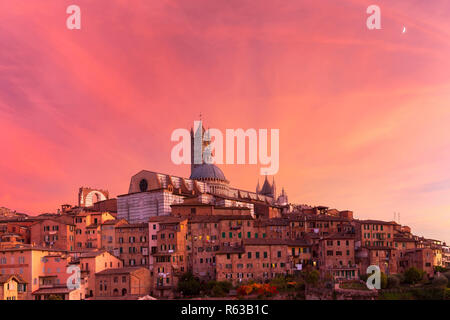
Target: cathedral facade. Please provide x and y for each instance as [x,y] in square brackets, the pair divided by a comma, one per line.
[152,194]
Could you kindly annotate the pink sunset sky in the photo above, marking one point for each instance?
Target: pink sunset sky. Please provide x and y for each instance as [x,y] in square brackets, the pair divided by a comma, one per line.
[364,116]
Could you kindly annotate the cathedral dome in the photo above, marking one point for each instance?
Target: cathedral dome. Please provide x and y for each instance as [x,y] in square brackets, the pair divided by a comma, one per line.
[208,172]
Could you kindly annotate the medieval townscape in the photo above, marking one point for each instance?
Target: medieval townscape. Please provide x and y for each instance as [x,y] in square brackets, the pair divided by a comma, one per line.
[175,237]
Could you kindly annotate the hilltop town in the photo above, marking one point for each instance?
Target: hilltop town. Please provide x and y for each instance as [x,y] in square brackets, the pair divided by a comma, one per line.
[166,229]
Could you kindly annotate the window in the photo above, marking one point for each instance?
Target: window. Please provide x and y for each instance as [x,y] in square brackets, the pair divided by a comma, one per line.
[249,255]
[279,254]
[143,185]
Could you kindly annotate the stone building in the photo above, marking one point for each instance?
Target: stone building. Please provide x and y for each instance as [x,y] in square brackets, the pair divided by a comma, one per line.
[55,232]
[12,287]
[132,243]
[255,259]
[122,283]
[337,256]
[170,257]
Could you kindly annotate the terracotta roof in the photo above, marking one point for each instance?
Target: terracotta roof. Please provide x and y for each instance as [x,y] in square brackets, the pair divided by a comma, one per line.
[268,242]
[134,225]
[405,239]
[272,222]
[377,222]
[218,218]
[119,270]
[298,243]
[158,218]
[300,217]
[112,221]
[6,277]
[26,247]
[340,236]
[92,254]
[378,248]
[230,249]
[54,289]
[60,219]
[168,219]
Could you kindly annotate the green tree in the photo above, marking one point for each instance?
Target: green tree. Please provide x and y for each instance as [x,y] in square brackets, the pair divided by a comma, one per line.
[413,275]
[393,282]
[439,269]
[280,283]
[221,288]
[312,277]
[189,285]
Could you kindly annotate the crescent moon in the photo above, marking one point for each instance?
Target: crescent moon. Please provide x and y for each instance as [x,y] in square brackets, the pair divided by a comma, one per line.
[404,30]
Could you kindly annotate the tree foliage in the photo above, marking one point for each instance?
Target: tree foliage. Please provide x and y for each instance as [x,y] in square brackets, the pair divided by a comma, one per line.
[312,277]
[413,275]
[393,282]
[189,285]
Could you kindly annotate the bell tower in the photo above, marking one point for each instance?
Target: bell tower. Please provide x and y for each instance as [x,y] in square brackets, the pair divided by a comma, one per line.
[198,144]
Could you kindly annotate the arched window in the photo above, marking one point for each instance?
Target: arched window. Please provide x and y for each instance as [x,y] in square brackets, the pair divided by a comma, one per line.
[143,185]
[124,291]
